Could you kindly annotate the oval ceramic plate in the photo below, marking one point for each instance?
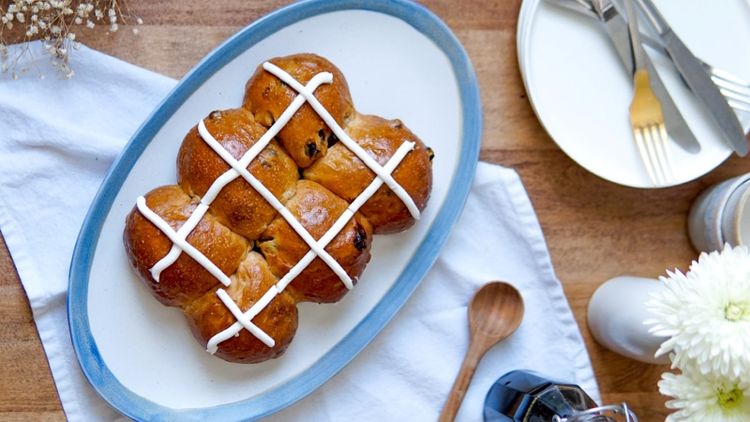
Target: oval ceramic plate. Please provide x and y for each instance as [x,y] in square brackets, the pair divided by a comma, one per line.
[581,93]
[400,61]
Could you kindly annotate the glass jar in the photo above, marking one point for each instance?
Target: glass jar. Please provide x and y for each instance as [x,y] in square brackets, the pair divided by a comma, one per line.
[525,396]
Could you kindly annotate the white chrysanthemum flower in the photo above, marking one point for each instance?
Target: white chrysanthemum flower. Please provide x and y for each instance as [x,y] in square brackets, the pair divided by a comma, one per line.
[706,313]
[705,398]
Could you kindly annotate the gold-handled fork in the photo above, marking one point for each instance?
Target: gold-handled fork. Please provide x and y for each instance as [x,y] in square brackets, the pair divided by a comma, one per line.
[646,118]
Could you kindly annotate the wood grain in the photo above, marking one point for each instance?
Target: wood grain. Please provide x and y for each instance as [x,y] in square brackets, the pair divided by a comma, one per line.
[595,230]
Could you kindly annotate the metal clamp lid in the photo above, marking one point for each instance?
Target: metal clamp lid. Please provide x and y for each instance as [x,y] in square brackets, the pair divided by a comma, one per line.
[599,414]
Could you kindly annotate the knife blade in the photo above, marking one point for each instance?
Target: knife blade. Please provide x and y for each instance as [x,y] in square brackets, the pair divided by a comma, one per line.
[617,29]
[581,6]
[699,81]
[584,7]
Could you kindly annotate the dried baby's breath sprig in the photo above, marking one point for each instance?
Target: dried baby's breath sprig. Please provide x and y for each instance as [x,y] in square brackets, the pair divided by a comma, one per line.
[54,22]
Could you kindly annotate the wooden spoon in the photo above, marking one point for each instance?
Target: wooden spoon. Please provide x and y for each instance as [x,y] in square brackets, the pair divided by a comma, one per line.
[495,312]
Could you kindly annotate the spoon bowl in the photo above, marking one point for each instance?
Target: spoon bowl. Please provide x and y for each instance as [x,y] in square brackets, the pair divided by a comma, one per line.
[495,312]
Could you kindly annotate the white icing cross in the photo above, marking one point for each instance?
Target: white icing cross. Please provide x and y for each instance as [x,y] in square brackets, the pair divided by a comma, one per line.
[239,168]
[244,320]
[179,241]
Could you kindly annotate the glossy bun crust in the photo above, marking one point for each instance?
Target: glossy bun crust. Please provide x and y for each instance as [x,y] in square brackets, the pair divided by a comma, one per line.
[185,280]
[317,209]
[308,170]
[346,175]
[208,315]
[239,206]
[306,136]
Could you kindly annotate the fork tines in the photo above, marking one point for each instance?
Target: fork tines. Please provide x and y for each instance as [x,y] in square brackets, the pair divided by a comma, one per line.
[647,122]
[651,141]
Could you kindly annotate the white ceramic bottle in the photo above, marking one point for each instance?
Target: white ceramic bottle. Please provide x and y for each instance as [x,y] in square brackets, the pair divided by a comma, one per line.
[616,316]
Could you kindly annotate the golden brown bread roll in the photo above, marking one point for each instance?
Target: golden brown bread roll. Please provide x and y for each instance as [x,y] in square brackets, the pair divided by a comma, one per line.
[239,218]
[346,175]
[317,209]
[238,206]
[208,315]
[185,280]
[306,137]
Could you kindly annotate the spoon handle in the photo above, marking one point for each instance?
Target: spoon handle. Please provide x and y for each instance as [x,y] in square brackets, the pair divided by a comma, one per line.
[456,396]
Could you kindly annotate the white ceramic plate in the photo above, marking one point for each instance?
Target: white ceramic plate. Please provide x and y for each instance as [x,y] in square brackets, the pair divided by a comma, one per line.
[581,93]
[400,61]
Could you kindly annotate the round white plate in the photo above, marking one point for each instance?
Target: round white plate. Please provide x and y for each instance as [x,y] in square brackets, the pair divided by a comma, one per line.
[581,93]
[401,61]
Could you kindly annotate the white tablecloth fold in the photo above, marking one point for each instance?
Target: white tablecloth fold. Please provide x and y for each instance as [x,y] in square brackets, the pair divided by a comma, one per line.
[58,140]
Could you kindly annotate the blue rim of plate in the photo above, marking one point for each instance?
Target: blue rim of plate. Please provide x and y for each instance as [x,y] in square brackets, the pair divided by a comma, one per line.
[140,408]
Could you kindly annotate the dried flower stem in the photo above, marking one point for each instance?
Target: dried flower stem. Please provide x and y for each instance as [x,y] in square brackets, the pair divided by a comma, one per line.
[54,22]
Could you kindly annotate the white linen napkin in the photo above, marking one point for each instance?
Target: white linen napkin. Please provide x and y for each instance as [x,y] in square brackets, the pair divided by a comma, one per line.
[58,140]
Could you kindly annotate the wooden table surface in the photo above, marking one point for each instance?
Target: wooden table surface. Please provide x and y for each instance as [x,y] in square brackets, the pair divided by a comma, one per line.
[595,229]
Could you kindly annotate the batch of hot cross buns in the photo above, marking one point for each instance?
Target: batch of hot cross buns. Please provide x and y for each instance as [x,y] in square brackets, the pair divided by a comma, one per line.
[276,203]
